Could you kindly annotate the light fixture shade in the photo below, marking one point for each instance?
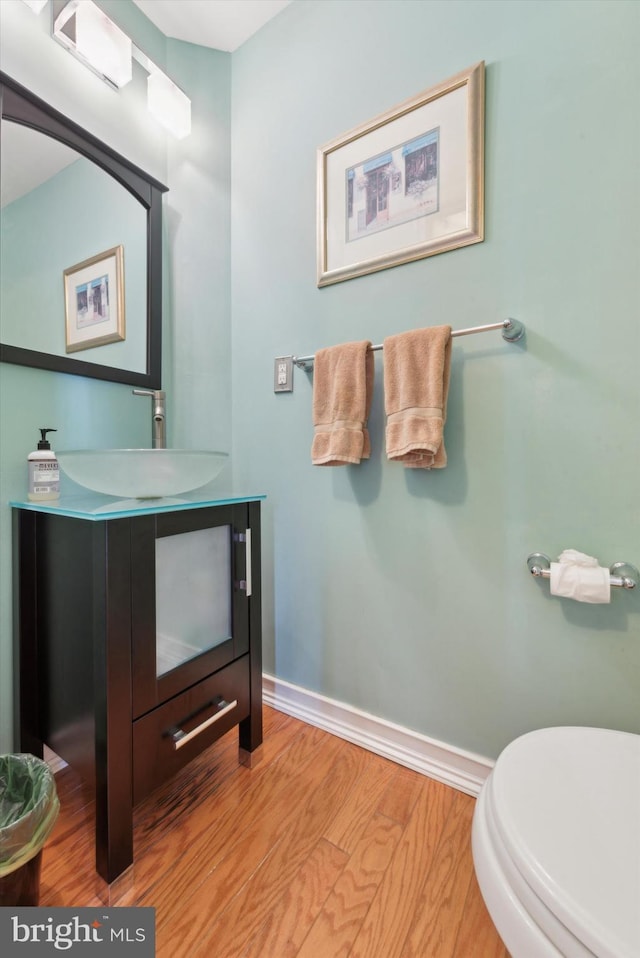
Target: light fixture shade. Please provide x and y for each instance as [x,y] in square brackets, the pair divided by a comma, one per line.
[36,5]
[103,44]
[168,104]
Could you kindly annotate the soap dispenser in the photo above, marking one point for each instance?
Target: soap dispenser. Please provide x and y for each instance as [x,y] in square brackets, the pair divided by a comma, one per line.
[44,471]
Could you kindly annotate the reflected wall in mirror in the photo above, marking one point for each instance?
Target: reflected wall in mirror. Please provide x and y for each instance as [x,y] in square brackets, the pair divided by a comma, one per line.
[67,198]
[97,214]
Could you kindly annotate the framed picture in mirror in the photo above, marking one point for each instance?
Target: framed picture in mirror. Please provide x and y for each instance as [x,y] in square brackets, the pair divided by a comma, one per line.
[94,301]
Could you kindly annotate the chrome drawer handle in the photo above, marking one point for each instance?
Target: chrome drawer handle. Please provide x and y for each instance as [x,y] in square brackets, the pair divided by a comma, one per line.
[180,737]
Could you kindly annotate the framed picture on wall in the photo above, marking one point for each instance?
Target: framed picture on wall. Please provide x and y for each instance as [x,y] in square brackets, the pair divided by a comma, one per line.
[94,301]
[406,185]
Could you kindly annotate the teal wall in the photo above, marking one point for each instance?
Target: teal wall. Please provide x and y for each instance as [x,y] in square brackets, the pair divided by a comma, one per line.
[405,593]
[400,593]
[88,413]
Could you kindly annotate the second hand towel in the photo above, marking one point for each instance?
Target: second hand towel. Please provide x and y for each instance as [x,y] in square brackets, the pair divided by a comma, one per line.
[342,393]
[417,366]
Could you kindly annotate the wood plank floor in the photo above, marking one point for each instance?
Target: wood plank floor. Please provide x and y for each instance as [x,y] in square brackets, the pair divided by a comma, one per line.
[322,850]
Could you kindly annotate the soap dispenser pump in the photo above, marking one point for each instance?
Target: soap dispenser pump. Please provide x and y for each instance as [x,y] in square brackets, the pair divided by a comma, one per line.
[44,471]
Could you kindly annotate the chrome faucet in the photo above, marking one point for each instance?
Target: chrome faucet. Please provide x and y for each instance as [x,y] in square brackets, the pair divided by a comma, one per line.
[158,416]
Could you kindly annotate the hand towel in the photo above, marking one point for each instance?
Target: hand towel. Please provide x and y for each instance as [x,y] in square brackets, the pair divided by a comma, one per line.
[417,366]
[342,392]
[578,576]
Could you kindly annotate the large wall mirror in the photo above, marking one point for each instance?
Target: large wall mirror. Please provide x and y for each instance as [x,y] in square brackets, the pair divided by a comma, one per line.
[80,249]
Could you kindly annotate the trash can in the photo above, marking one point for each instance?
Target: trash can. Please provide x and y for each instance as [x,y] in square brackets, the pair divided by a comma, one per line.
[28,810]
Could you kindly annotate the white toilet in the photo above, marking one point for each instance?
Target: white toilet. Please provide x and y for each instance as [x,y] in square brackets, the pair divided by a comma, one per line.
[556,844]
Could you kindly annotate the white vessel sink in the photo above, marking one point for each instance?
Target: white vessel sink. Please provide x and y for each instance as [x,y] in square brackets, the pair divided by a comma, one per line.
[141,473]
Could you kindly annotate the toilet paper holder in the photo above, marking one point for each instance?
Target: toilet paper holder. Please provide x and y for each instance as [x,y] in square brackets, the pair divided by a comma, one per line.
[623,574]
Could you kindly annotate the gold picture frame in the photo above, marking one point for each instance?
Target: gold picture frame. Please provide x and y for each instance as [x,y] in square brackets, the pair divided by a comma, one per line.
[94,301]
[406,185]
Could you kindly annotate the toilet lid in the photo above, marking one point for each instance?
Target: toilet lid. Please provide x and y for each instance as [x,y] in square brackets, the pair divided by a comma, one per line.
[566,804]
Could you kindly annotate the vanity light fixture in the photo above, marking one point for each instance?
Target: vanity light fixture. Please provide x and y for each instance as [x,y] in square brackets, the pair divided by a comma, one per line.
[165,101]
[87,32]
[95,40]
[36,5]
[102,44]
[168,104]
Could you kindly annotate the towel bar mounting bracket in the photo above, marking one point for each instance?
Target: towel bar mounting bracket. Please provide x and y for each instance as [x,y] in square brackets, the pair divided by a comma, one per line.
[538,563]
[627,572]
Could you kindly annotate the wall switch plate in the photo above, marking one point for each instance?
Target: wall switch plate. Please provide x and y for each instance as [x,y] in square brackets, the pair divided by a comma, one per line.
[283,375]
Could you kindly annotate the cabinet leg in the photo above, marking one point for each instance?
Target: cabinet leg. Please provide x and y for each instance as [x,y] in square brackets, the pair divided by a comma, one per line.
[114,835]
[250,739]
[112,698]
[249,759]
[27,697]
[250,731]
[113,893]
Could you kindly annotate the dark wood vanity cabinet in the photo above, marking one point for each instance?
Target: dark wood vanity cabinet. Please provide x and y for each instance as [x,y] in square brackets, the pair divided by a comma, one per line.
[137,645]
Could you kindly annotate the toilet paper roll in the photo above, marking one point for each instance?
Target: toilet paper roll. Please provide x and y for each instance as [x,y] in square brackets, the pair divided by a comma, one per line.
[584,583]
[573,557]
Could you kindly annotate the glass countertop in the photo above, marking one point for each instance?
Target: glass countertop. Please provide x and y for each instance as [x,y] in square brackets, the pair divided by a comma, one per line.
[95,506]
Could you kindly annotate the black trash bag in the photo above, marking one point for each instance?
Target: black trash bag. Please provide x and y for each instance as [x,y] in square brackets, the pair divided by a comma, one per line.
[28,809]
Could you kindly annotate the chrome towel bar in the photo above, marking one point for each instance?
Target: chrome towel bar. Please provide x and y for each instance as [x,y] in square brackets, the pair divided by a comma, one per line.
[512,331]
[623,574]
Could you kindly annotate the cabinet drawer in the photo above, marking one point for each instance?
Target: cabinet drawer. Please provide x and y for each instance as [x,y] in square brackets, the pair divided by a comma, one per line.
[172,734]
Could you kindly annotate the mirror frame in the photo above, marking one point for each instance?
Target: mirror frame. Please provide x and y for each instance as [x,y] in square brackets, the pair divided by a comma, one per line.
[19,105]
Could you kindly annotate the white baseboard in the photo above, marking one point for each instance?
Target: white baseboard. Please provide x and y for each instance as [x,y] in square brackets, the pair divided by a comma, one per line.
[453,766]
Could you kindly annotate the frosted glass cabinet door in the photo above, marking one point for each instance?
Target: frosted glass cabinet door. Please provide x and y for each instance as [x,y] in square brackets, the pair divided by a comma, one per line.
[193,595]
[189,605]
